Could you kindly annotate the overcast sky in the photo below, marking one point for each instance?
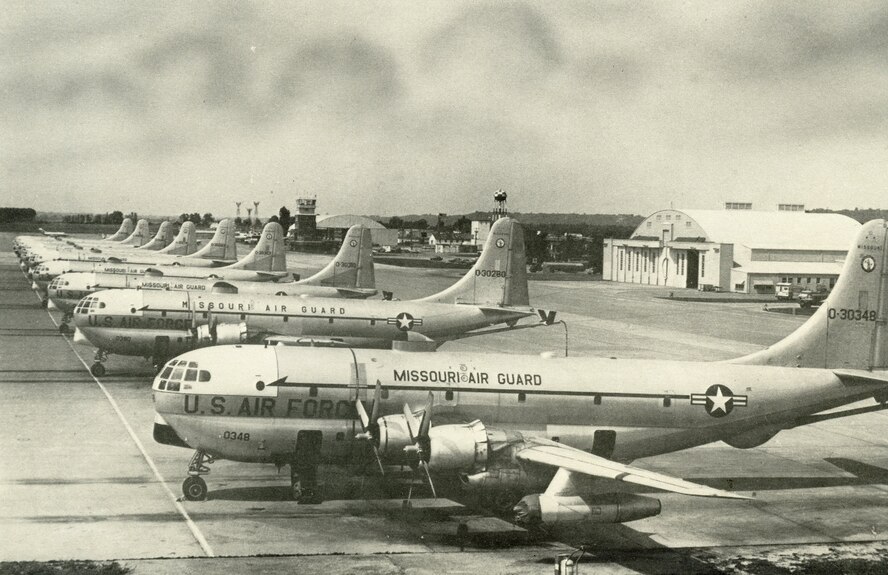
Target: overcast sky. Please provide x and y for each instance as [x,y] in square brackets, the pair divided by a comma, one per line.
[410,107]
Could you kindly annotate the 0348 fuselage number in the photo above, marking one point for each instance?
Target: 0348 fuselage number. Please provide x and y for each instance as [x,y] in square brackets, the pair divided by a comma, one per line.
[851,314]
[235,436]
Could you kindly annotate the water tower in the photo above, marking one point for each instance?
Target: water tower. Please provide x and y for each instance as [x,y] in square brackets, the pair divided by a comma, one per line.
[499,205]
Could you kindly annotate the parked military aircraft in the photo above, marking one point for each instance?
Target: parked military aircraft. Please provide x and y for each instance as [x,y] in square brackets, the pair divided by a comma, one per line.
[220,249]
[349,275]
[25,246]
[161,324]
[560,431]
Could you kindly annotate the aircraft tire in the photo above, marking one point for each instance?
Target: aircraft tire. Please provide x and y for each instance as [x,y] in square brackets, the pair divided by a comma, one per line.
[97,369]
[63,328]
[194,488]
[44,303]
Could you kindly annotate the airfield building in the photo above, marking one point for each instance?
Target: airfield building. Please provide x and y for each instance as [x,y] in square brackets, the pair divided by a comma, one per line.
[736,249]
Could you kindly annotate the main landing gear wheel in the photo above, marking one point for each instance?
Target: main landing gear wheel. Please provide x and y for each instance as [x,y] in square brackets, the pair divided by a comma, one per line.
[97,369]
[194,488]
[44,303]
[63,328]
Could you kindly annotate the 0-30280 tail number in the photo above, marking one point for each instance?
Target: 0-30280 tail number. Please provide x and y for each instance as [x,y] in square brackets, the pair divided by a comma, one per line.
[851,314]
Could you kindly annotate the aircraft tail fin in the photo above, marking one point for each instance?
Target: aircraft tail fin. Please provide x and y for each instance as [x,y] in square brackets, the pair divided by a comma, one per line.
[499,277]
[269,255]
[353,265]
[222,246]
[849,329]
[126,228]
[162,238]
[140,236]
[185,242]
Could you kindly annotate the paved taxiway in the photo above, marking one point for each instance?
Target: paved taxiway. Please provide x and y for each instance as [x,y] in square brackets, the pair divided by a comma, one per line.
[81,477]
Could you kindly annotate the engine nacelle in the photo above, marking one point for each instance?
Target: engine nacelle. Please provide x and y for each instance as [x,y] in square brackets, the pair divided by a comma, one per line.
[752,438]
[458,447]
[606,508]
[221,334]
[451,447]
[393,438]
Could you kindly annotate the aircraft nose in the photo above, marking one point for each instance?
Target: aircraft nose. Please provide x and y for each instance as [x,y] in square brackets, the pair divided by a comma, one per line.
[34,286]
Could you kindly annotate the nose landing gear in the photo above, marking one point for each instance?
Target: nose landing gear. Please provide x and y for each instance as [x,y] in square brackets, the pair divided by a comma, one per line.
[63,326]
[194,488]
[98,369]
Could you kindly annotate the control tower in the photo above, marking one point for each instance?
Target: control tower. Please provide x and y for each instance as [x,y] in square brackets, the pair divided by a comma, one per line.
[306,219]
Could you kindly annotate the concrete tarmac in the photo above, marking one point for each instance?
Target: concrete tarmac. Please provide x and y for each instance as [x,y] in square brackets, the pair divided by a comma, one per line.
[82,478]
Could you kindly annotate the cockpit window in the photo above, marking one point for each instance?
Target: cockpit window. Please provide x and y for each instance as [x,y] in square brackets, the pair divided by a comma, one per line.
[178,371]
[88,303]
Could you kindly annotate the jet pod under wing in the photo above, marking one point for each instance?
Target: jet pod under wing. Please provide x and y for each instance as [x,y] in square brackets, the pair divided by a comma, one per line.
[575,460]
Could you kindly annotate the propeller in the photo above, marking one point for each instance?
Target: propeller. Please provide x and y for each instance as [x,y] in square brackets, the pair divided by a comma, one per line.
[369,423]
[420,451]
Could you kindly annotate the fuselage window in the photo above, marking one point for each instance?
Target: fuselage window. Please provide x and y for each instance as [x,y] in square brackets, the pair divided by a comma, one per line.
[173,386]
[177,373]
[597,400]
[166,372]
[667,401]
[203,375]
[448,396]
[313,391]
[522,396]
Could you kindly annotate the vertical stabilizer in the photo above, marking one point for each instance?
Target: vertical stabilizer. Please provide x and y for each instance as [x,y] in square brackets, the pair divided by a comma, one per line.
[140,236]
[849,329]
[269,255]
[126,228]
[222,246]
[499,277]
[185,242]
[353,265]
[161,239]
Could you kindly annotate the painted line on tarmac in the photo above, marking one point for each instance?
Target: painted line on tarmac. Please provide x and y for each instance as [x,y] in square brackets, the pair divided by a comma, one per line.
[201,540]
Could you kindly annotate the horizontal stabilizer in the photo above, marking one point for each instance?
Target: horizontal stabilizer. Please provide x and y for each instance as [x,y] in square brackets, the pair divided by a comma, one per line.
[564,457]
[861,376]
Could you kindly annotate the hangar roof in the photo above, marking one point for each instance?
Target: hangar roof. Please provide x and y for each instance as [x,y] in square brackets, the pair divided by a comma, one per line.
[346,221]
[759,229]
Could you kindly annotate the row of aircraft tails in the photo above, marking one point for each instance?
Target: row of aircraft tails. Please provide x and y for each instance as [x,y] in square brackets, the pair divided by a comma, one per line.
[341,380]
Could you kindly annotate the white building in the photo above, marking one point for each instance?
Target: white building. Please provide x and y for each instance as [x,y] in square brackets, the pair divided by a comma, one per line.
[738,250]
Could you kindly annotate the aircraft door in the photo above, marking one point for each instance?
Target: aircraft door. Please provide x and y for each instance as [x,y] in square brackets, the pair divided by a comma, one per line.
[161,351]
[603,442]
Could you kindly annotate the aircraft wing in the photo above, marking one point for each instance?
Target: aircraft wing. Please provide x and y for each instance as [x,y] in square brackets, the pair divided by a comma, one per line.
[355,292]
[575,460]
[861,376]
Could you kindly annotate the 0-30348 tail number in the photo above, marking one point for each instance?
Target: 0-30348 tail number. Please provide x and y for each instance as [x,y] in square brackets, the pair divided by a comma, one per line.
[851,314]
[234,435]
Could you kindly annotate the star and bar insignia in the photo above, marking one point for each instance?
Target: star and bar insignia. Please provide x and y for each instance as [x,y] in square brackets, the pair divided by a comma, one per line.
[719,400]
[404,321]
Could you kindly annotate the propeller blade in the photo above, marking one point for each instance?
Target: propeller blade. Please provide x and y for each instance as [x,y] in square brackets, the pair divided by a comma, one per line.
[412,424]
[377,398]
[426,421]
[378,459]
[362,413]
[425,467]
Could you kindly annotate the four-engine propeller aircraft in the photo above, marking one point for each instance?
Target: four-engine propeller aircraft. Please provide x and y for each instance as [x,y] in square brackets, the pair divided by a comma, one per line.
[162,324]
[560,431]
[22,245]
[349,275]
[220,249]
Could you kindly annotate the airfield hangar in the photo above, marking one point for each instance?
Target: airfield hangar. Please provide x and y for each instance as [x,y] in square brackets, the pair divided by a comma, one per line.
[736,249]
[334,227]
